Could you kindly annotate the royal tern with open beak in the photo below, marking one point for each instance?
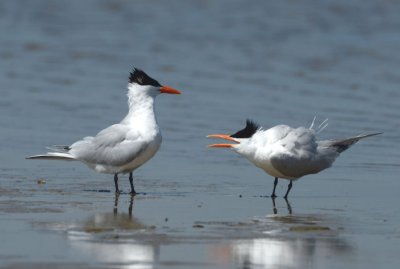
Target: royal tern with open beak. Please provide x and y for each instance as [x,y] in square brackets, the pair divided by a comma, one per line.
[122,147]
[286,152]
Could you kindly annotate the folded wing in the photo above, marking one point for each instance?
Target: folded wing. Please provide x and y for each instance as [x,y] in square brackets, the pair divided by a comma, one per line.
[114,146]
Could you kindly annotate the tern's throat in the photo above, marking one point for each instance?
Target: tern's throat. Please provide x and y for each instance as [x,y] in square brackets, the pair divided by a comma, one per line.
[141,111]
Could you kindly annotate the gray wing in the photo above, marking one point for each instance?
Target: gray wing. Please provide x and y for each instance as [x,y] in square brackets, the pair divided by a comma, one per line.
[116,145]
[298,154]
[341,145]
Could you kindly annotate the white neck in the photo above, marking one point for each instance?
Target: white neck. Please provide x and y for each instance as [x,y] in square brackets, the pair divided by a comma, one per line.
[141,112]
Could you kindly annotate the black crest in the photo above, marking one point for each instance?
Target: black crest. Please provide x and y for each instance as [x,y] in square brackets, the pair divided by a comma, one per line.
[248,131]
[141,78]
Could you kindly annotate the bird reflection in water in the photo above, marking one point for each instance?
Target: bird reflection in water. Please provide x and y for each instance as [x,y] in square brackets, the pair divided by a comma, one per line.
[116,201]
[285,241]
[289,207]
[117,239]
[300,252]
[281,251]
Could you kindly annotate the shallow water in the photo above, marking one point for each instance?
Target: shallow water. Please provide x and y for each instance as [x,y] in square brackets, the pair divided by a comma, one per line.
[64,68]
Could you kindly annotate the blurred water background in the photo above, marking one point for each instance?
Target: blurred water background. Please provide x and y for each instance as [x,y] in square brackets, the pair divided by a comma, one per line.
[64,67]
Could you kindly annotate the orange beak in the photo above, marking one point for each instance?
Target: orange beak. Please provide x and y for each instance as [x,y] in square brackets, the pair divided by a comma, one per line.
[169,90]
[222,136]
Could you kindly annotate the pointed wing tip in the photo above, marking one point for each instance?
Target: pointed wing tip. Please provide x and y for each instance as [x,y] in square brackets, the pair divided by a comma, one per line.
[371,134]
[32,157]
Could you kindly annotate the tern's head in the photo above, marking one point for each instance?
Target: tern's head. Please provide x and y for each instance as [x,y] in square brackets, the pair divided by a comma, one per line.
[142,84]
[240,137]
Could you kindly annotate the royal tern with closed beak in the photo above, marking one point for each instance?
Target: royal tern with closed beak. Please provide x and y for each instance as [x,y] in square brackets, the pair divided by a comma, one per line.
[122,147]
[286,152]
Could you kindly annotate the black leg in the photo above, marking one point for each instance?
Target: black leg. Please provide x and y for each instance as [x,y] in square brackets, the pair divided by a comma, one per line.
[133,192]
[273,192]
[288,189]
[116,183]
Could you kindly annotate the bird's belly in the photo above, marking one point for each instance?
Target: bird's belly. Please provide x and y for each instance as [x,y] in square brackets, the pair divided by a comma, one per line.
[269,169]
[295,169]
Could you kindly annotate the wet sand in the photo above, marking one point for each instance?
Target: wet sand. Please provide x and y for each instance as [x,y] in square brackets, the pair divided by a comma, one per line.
[55,226]
[64,68]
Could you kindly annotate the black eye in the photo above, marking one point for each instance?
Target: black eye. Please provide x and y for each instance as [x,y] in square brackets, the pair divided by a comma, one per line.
[141,78]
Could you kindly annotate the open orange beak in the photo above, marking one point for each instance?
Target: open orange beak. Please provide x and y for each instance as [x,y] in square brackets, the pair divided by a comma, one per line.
[169,90]
[222,136]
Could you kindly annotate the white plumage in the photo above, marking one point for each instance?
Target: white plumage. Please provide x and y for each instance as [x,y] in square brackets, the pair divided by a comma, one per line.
[122,147]
[286,152]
